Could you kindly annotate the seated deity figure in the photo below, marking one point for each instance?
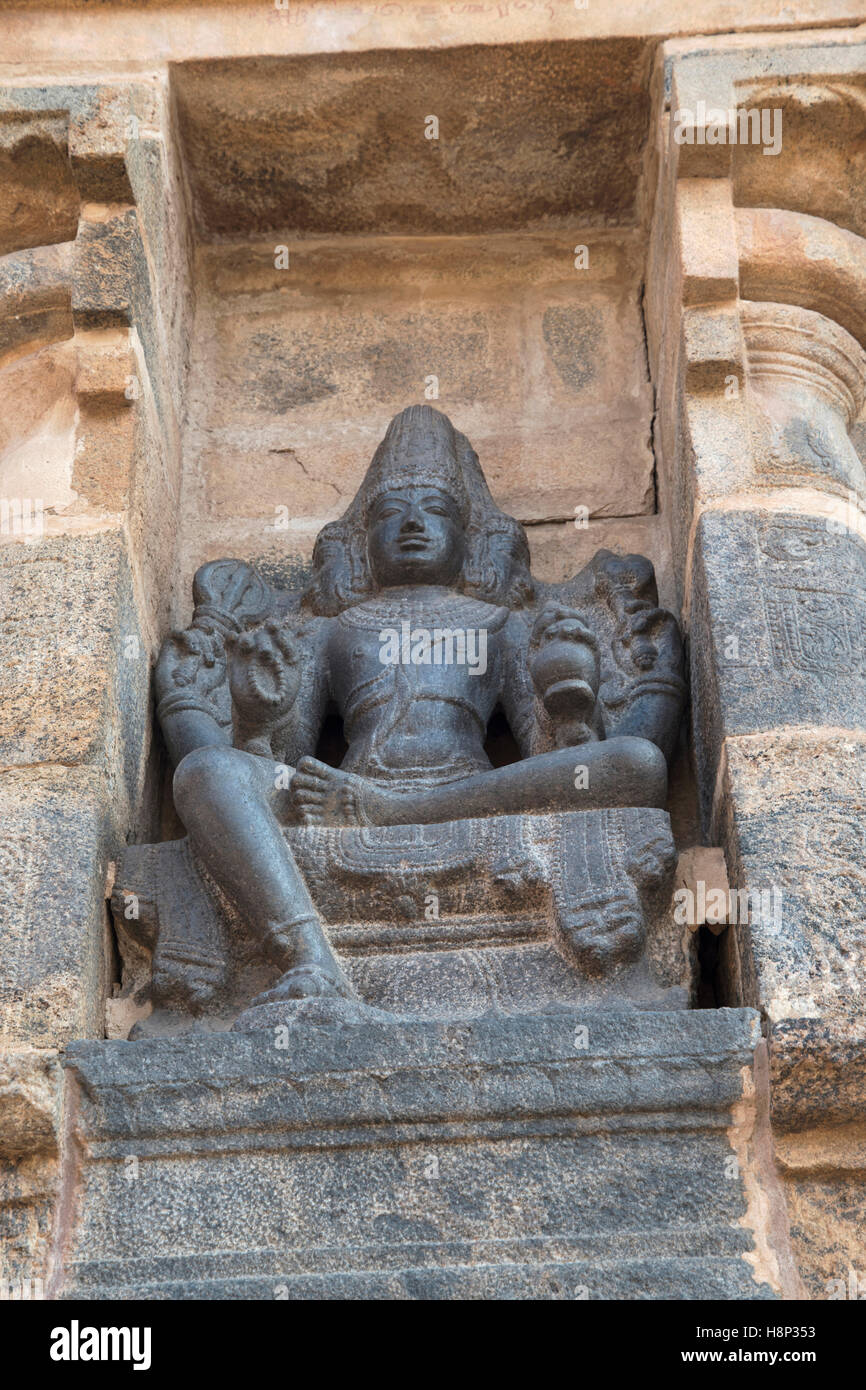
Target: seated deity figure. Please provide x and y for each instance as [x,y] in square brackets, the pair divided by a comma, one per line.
[421,622]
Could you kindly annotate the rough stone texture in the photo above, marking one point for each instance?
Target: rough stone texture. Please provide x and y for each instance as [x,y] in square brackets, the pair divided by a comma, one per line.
[778,602]
[72,658]
[818,1078]
[497,1159]
[791,257]
[791,816]
[759,398]
[56,839]
[553,127]
[823,121]
[29,1171]
[561,549]
[36,298]
[89,430]
[128,266]
[29,1103]
[40,200]
[124,36]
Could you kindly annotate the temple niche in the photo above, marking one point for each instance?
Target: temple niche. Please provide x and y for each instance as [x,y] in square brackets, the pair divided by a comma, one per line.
[411,877]
[432,478]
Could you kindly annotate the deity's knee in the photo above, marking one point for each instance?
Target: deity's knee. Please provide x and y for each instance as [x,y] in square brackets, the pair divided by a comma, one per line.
[643,766]
[208,775]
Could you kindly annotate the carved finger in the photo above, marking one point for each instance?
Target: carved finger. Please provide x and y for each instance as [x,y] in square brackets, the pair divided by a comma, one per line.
[287,645]
[641,622]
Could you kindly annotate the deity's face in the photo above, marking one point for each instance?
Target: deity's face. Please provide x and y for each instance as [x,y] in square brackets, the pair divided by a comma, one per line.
[415,535]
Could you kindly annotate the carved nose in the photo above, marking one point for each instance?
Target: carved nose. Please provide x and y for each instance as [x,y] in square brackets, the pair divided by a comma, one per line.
[412,522]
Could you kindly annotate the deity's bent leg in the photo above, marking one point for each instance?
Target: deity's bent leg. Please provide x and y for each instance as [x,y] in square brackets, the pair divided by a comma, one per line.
[225,799]
[616,772]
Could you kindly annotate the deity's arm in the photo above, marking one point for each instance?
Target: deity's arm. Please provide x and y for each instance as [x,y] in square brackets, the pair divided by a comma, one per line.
[645,690]
[194,704]
[613,604]
[518,698]
[280,687]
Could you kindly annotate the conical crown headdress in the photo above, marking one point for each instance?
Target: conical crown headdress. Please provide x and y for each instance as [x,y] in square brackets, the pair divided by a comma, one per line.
[420,448]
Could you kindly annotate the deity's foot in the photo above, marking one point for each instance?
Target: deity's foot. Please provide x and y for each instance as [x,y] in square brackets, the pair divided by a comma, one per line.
[311,970]
[604,936]
[307,982]
[325,795]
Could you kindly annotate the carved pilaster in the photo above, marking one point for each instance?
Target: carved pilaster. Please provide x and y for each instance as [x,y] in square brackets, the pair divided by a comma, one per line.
[808,377]
[765,299]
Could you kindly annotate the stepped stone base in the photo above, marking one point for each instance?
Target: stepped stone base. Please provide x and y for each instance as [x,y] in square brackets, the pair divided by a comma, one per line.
[561,1155]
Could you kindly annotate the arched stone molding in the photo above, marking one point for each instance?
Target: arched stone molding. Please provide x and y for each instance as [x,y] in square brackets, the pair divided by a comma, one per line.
[797,259]
[820,170]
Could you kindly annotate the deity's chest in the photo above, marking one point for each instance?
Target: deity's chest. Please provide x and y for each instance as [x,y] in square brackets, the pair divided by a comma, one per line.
[444,644]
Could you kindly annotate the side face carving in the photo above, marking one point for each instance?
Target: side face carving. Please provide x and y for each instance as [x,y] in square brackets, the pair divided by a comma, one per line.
[421,622]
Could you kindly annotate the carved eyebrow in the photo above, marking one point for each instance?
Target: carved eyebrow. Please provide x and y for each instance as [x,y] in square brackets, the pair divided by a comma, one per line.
[437,497]
[434,495]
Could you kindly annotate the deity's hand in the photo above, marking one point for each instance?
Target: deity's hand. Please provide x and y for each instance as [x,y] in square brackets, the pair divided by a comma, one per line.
[191,658]
[563,662]
[264,674]
[648,638]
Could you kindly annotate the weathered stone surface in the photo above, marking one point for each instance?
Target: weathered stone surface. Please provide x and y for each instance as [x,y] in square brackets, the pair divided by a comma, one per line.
[30,1111]
[778,615]
[29,1103]
[40,200]
[565,121]
[820,97]
[37,436]
[373,1161]
[541,363]
[74,666]
[35,300]
[55,843]
[790,258]
[818,1080]
[246,31]
[792,820]
[809,380]
[775,609]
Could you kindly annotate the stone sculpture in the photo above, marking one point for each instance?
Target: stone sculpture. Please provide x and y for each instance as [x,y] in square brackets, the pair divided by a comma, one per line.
[416,876]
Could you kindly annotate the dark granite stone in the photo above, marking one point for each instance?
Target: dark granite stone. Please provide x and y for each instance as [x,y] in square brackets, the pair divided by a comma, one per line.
[578,1156]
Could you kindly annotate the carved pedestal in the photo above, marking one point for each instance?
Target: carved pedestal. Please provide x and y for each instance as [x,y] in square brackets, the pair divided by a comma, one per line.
[583,1155]
[438,921]
[520,1130]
